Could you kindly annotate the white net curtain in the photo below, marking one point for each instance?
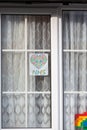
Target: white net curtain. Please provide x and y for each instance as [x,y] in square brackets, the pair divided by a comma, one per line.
[15,112]
[74,65]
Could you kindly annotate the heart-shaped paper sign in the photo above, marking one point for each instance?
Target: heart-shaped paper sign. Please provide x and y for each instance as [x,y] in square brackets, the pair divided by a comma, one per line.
[38,60]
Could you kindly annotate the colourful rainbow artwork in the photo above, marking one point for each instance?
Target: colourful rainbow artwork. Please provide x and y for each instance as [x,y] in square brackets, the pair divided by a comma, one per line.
[81,121]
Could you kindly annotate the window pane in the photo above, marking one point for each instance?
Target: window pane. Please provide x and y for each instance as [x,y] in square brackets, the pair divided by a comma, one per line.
[73,104]
[39,113]
[75,71]
[13,111]
[39,36]
[74,29]
[13,71]
[12,31]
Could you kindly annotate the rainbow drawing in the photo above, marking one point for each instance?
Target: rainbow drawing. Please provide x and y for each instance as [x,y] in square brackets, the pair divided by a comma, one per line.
[81,121]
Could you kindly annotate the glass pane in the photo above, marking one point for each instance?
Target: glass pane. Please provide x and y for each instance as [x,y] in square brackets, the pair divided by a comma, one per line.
[13,111]
[74,104]
[39,82]
[75,71]
[39,36]
[75,29]
[13,72]
[39,113]
[12,31]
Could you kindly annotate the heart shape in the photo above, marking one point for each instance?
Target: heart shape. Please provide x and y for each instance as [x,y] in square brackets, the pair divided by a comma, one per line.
[38,60]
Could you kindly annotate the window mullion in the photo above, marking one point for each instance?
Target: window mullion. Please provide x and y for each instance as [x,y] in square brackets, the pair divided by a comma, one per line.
[54,72]
[26,66]
[60,71]
[0,71]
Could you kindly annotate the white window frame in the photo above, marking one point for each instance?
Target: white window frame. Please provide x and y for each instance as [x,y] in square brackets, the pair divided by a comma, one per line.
[54,58]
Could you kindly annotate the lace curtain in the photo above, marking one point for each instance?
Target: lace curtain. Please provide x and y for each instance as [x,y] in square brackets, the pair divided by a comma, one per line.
[74,65]
[14,99]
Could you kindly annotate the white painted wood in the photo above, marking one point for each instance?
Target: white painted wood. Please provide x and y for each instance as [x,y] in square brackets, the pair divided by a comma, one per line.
[8,92]
[66,50]
[47,92]
[0,73]
[54,72]
[75,92]
[26,58]
[35,92]
[13,50]
[24,50]
[60,71]
[28,129]
[38,50]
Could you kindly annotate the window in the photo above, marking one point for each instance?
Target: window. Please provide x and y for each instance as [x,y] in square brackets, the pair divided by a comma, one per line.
[28,89]
[75,69]
[43,69]
[26,98]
